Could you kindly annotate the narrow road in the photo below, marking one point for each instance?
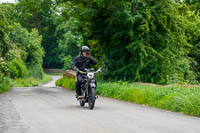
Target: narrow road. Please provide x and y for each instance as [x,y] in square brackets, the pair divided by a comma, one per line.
[50,109]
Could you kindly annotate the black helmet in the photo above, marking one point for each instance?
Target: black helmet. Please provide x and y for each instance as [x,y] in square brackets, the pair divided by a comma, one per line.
[85,48]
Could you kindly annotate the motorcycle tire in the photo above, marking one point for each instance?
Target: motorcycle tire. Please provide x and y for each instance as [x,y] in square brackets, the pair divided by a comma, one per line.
[92,98]
[82,103]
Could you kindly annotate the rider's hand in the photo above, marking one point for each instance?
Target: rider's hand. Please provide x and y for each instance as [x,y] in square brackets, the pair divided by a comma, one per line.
[88,55]
[75,68]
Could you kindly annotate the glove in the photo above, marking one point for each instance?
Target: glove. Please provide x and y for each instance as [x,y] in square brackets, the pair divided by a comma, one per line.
[88,55]
[75,68]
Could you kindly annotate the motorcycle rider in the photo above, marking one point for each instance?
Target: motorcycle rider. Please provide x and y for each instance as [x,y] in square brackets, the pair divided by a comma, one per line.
[84,61]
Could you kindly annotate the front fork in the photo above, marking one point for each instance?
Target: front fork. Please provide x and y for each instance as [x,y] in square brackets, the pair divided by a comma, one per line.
[85,88]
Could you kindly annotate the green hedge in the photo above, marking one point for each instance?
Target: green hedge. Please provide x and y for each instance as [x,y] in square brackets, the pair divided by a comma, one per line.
[177,98]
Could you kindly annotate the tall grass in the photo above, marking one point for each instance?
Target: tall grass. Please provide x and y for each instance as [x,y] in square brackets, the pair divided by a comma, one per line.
[175,98]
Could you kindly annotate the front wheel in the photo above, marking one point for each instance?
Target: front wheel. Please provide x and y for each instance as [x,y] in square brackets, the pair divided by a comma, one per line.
[82,103]
[92,97]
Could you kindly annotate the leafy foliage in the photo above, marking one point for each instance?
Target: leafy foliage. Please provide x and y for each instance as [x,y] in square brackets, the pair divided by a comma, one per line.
[70,39]
[17,69]
[4,84]
[19,49]
[153,41]
[31,49]
[41,15]
[67,62]
[4,70]
[192,22]
[140,40]
[158,43]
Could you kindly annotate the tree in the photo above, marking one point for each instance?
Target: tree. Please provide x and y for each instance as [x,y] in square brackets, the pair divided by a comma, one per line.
[31,50]
[40,14]
[192,21]
[142,40]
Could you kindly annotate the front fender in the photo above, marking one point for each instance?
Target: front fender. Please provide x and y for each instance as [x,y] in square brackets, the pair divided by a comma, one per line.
[92,85]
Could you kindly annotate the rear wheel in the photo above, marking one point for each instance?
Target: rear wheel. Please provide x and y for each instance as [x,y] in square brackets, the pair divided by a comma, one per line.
[92,97]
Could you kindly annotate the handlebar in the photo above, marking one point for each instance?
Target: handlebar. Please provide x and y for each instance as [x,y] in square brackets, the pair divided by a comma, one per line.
[99,70]
[81,71]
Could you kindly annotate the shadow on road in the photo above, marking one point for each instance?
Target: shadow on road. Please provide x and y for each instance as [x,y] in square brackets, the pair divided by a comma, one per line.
[77,107]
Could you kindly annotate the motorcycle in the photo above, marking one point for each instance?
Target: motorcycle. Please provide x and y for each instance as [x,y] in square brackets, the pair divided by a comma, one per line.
[88,87]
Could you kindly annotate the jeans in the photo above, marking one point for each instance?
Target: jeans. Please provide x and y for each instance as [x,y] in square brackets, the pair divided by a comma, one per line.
[78,84]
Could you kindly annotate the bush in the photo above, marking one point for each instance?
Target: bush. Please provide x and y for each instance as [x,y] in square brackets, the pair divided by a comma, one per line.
[4,84]
[4,70]
[66,83]
[17,69]
[35,71]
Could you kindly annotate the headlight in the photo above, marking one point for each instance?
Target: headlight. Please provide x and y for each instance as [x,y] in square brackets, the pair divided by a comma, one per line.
[90,75]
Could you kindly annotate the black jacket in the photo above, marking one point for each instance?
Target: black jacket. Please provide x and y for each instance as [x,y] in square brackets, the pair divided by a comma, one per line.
[82,62]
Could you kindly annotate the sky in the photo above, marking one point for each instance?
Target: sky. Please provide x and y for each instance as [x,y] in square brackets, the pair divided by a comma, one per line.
[9,1]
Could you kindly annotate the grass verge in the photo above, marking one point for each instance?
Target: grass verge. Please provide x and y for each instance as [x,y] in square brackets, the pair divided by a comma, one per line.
[29,82]
[56,74]
[177,98]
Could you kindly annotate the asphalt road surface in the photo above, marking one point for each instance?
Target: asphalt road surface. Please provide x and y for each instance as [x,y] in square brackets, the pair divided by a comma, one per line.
[50,109]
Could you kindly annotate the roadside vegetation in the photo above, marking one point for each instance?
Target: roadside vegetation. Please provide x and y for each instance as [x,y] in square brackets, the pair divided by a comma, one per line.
[68,83]
[56,74]
[151,41]
[21,52]
[4,85]
[29,82]
[177,98]
[7,83]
